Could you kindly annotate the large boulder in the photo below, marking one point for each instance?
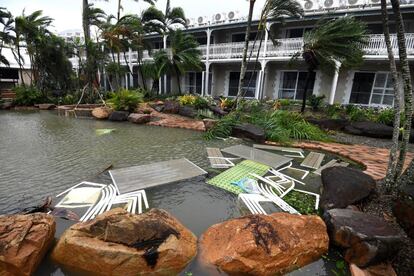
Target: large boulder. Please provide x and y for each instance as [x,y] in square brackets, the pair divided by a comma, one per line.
[329,124]
[172,107]
[137,118]
[188,111]
[102,112]
[264,245]
[403,210]
[384,269]
[118,116]
[24,240]
[343,186]
[249,131]
[369,129]
[119,243]
[367,239]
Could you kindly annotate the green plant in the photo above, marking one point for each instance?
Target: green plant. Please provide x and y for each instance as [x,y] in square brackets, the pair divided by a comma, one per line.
[200,103]
[223,128]
[27,96]
[316,102]
[283,102]
[303,203]
[68,99]
[187,99]
[386,116]
[205,114]
[334,111]
[125,100]
[281,126]
[227,103]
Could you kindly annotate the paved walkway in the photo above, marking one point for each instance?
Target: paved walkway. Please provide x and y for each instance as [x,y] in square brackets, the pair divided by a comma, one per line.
[173,120]
[374,159]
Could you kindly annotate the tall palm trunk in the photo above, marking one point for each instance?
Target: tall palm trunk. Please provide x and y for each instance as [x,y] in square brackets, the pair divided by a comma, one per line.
[246,47]
[177,73]
[311,69]
[87,35]
[392,164]
[405,72]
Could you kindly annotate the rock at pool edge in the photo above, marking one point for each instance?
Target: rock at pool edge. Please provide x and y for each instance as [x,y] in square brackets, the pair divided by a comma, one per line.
[119,243]
[264,245]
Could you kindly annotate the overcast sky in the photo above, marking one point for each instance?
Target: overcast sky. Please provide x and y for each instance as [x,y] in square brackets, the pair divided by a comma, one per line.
[68,13]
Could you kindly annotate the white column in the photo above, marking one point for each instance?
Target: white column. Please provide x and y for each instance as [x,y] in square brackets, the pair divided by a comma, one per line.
[203,76]
[131,79]
[165,76]
[206,82]
[334,82]
[258,84]
[268,25]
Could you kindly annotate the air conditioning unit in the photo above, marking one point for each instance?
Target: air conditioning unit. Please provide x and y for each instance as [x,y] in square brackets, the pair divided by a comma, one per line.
[191,22]
[233,16]
[219,18]
[309,5]
[329,4]
[202,21]
[353,2]
[375,2]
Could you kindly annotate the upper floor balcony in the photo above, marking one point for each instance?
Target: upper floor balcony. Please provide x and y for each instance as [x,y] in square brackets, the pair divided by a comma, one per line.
[286,48]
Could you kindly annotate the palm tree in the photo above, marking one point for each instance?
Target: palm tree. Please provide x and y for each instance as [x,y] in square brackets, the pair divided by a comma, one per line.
[246,47]
[392,164]
[332,41]
[29,28]
[274,10]
[156,19]
[184,55]
[407,86]
[7,20]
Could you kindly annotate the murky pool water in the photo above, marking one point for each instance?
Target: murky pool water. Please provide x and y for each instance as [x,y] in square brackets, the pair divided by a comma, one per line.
[42,154]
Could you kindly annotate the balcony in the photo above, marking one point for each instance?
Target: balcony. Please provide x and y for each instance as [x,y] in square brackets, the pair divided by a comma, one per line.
[286,48]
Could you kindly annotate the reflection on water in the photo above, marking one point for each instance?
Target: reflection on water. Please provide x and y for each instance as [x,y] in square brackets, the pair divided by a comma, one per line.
[43,154]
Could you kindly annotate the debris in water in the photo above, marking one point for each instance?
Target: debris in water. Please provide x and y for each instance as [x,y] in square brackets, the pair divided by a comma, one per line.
[42,208]
[65,214]
[104,131]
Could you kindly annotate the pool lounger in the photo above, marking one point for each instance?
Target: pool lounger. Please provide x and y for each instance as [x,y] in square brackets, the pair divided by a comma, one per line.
[217,160]
[252,202]
[332,163]
[305,172]
[279,174]
[84,194]
[313,160]
[277,185]
[297,151]
[267,191]
[108,193]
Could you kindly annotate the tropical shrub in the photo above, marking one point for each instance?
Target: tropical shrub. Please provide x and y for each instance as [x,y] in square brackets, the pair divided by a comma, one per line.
[205,114]
[316,102]
[386,116]
[125,100]
[187,99]
[227,103]
[68,99]
[27,96]
[200,103]
[283,102]
[223,128]
[334,111]
[281,126]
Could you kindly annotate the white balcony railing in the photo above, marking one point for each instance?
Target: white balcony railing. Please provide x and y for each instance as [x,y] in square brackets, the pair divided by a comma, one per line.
[288,47]
[283,50]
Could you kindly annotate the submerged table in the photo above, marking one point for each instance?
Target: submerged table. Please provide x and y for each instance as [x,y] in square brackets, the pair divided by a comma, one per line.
[270,159]
[145,176]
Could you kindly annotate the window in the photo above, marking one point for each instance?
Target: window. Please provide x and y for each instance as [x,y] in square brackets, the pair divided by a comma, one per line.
[249,86]
[296,32]
[292,85]
[372,89]
[194,82]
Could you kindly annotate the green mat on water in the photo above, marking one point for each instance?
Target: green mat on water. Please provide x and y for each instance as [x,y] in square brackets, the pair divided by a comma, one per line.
[104,131]
[241,170]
